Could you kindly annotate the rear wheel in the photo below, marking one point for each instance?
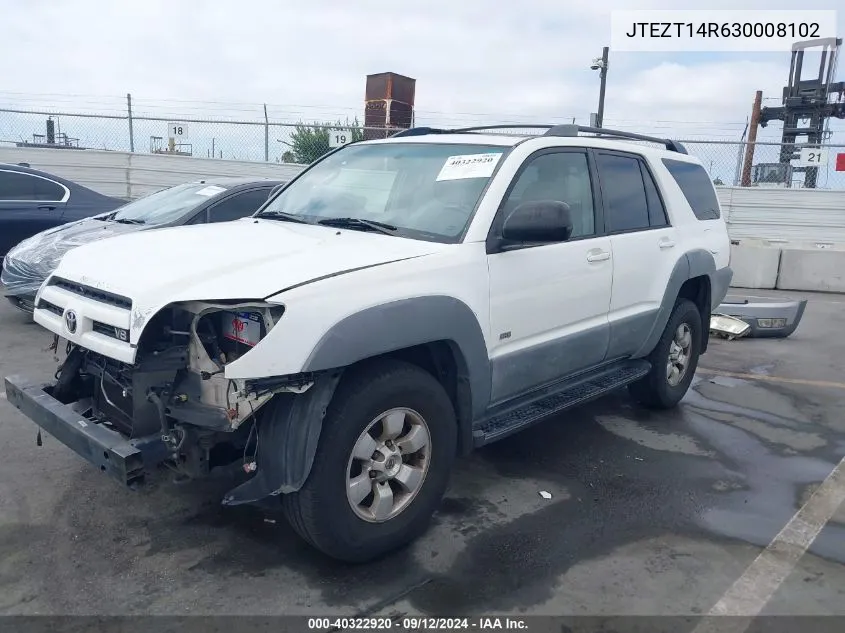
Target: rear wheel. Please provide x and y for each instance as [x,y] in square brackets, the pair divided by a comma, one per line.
[382,464]
[673,360]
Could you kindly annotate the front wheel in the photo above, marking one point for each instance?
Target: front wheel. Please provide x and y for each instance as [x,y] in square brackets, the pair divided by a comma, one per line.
[382,465]
[673,360]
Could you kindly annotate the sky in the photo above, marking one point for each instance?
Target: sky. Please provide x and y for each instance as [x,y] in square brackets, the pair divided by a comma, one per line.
[474,61]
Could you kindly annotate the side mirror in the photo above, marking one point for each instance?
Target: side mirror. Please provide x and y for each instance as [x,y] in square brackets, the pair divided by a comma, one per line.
[539,221]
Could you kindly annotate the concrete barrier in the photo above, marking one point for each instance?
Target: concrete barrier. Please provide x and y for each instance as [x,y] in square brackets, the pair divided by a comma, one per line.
[755,266]
[817,270]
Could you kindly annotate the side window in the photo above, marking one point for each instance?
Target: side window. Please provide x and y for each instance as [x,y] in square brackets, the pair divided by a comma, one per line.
[696,186]
[561,176]
[656,210]
[239,205]
[199,218]
[19,186]
[624,194]
[48,190]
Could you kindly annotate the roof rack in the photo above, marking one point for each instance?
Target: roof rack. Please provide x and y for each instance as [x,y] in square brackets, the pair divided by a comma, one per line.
[420,131]
[551,130]
[574,130]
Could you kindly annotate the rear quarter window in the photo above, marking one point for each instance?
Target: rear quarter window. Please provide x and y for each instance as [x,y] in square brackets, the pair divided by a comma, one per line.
[15,185]
[697,188]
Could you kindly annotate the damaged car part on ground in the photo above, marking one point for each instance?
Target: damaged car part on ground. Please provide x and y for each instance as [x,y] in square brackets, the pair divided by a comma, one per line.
[766,318]
[400,303]
[31,261]
[728,327]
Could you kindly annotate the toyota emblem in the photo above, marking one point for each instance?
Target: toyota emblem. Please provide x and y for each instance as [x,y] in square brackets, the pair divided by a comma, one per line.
[70,321]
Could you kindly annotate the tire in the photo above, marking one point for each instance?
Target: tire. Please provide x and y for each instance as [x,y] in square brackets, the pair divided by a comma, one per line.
[658,389]
[322,513]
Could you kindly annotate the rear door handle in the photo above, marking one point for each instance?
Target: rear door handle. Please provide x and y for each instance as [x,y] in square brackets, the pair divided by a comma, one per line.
[666,243]
[46,207]
[598,256]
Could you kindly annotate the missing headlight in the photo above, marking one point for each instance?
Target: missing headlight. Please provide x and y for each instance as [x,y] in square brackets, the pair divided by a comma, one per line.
[228,334]
[242,327]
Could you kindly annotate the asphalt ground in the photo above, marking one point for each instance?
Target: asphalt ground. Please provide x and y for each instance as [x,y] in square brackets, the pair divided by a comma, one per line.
[709,508]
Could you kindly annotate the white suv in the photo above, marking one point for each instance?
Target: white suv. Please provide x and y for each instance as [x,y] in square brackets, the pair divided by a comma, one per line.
[399,303]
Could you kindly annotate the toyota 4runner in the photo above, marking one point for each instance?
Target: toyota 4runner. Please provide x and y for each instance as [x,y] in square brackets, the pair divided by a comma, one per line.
[399,303]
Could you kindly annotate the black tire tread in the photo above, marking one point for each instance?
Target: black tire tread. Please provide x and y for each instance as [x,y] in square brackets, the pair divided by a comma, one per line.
[650,390]
[299,506]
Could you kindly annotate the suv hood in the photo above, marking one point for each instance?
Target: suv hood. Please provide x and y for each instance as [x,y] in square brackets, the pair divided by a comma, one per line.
[244,259]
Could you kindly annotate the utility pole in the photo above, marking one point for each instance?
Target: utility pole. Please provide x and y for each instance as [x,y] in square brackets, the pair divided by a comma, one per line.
[266,135]
[602,68]
[752,138]
[738,173]
[129,116]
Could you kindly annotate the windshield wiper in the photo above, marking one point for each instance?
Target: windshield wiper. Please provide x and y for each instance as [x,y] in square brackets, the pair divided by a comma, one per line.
[129,221]
[281,215]
[358,223]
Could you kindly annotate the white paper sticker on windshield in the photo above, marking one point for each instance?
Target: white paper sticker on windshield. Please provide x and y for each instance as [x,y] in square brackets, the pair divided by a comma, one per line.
[211,190]
[469,166]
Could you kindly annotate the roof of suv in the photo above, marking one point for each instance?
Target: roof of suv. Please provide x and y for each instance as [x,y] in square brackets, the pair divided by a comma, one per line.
[563,134]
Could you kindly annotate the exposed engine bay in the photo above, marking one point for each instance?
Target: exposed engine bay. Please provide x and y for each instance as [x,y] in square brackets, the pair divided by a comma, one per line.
[176,389]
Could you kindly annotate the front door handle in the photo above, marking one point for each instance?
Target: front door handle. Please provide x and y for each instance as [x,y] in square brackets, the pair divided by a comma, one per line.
[666,243]
[598,256]
[46,207]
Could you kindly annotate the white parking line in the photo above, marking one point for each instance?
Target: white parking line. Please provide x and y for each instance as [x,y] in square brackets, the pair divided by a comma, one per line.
[752,591]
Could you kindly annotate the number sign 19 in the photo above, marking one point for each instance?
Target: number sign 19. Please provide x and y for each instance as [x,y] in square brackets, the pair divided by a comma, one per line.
[339,137]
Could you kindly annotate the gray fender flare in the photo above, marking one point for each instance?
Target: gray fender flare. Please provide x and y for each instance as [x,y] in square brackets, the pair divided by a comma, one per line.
[695,263]
[290,426]
[405,323]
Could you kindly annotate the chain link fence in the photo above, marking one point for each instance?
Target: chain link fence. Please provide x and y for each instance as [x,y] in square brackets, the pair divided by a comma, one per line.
[266,141]
[272,141]
[773,164]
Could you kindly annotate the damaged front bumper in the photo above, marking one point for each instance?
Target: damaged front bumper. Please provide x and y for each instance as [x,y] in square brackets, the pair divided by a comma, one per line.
[125,460]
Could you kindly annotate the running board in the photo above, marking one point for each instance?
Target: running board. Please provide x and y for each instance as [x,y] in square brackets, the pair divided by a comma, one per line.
[557,398]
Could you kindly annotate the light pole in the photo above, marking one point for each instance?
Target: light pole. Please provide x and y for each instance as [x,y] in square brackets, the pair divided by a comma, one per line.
[600,64]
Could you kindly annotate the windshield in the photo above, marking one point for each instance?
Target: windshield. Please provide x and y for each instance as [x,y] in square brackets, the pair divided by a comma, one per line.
[166,205]
[424,190]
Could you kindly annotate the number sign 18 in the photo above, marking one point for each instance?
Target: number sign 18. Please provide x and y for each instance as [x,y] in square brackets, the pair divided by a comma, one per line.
[176,130]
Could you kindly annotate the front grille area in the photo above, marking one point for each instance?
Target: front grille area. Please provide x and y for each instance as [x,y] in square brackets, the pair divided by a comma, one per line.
[112,331]
[92,293]
[50,307]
